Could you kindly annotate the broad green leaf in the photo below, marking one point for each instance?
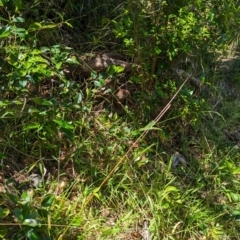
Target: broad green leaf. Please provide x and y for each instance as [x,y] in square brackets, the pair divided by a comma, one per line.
[78,98]
[111,70]
[77,221]
[44,49]
[21,32]
[94,75]
[18,214]
[4,103]
[235,212]
[97,83]
[36,51]
[119,69]
[63,124]
[68,133]
[76,106]
[4,212]
[23,83]
[32,235]
[33,110]
[48,200]
[229,164]
[26,197]
[96,189]
[22,72]
[17,102]
[18,19]
[46,103]
[37,59]
[5,31]
[236,171]
[58,65]
[234,197]
[3,229]
[72,60]
[13,198]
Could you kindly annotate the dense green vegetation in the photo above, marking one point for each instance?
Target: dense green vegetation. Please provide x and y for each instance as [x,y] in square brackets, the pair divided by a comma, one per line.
[98,98]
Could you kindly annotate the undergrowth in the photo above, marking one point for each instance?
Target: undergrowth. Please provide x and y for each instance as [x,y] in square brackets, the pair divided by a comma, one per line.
[77,162]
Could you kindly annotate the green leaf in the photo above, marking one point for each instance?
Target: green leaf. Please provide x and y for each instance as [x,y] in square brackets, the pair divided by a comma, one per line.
[32,235]
[4,212]
[35,26]
[26,197]
[32,126]
[52,130]
[4,103]
[78,98]
[33,110]
[23,83]
[3,229]
[112,69]
[234,197]
[37,59]
[18,19]
[17,102]
[111,232]
[77,221]
[171,189]
[72,60]
[18,4]
[18,214]
[68,24]
[48,200]
[235,212]
[21,32]
[13,198]
[94,75]
[30,222]
[63,124]
[98,84]
[49,26]
[68,133]
[46,103]
[236,171]
[97,196]
[5,31]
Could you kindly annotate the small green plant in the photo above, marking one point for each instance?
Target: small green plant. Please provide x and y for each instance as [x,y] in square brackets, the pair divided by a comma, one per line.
[31,215]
